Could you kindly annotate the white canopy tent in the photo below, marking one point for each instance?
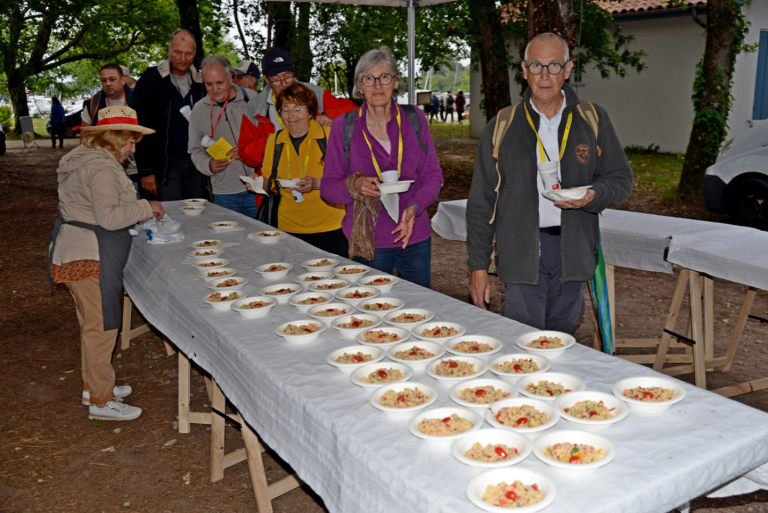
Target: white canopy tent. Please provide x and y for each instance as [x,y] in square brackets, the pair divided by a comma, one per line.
[411,5]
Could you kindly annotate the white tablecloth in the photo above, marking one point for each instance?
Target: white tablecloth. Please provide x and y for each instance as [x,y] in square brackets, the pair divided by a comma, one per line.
[357,459]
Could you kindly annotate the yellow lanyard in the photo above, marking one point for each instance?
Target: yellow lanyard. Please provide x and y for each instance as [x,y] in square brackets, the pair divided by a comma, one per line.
[541,145]
[280,119]
[399,146]
[306,160]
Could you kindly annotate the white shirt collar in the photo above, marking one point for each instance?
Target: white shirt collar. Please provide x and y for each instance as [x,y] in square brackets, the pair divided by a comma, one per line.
[556,116]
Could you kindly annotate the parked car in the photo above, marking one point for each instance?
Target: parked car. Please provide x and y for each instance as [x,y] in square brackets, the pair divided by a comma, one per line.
[71,120]
[737,184]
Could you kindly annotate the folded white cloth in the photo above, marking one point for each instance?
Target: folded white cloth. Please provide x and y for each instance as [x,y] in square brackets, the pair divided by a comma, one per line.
[391,203]
[163,231]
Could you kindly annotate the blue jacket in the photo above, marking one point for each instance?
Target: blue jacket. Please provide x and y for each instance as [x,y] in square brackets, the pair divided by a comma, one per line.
[57,114]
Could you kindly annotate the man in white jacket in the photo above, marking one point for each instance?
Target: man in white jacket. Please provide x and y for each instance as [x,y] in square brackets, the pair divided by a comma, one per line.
[219,115]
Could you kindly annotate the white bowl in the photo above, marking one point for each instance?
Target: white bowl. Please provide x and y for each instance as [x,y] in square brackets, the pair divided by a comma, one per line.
[231,271]
[273,275]
[395,187]
[271,237]
[317,309]
[294,300]
[301,339]
[223,226]
[479,484]
[437,349]
[568,341]
[214,284]
[574,437]
[207,244]
[305,281]
[491,341]
[440,413]
[339,271]
[418,330]
[648,382]
[310,266]
[254,313]
[397,387]
[202,265]
[389,176]
[480,368]
[429,315]
[224,305]
[520,443]
[455,393]
[192,211]
[358,374]
[544,366]
[375,353]
[572,193]
[571,384]
[397,304]
[198,253]
[619,409]
[195,202]
[281,298]
[317,285]
[353,332]
[543,407]
[340,294]
[368,281]
[288,184]
[401,333]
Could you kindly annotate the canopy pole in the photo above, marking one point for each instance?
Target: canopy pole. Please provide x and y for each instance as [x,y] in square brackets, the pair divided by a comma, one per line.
[411,52]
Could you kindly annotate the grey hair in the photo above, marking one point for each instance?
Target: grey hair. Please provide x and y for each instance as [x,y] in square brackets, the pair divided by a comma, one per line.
[184,33]
[212,60]
[549,36]
[370,60]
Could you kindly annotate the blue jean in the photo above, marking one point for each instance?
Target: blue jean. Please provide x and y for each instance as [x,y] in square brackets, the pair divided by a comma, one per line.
[243,202]
[414,263]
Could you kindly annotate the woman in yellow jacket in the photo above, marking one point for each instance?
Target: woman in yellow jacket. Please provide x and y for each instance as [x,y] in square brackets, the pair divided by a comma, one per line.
[305,215]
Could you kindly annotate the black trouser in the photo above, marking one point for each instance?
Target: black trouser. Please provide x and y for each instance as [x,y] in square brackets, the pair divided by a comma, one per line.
[57,130]
[333,242]
[550,304]
[184,181]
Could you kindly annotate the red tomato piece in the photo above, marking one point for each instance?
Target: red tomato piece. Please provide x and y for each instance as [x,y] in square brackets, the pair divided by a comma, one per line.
[383,374]
[592,413]
[358,358]
[648,395]
[522,420]
[400,398]
[452,364]
[573,458]
[550,392]
[511,496]
[501,452]
[535,487]
[447,420]
[480,393]
[517,368]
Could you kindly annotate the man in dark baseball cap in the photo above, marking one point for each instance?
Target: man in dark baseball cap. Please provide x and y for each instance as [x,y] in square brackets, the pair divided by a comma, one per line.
[246,74]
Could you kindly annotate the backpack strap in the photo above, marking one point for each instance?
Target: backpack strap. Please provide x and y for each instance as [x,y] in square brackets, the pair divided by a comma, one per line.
[413,118]
[91,113]
[245,94]
[323,143]
[275,164]
[349,130]
[503,122]
[588,112]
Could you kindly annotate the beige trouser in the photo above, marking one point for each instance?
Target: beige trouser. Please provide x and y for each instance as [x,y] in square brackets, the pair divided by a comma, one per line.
[96,345]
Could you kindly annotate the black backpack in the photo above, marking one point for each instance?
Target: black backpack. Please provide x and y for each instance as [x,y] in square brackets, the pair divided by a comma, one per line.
[413,119]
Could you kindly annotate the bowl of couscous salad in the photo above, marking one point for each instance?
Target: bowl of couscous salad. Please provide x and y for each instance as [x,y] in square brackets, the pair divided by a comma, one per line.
[383,336]
[267,236]
[254,307]
[551,344]
[649,394]
[512,367]
[451,369]
[349,359]
[511,489]
[574,451]
[380,305]
[481,392]
[591,409]
[548,386]
[403,398]
[354,294]
[301,331]
[408,317]
[274,271]
[227,283]
[205,253]
[307,279]
[380,374]
[522,415]
[492,448]
[281,291]
[382,282]
[303,302]
[438,331]
[331,286]
[329,311]
[222,300]
[441,426]
[351,272]
[320,264]
[208,275]
[416,353]
[352,325]
[477,346]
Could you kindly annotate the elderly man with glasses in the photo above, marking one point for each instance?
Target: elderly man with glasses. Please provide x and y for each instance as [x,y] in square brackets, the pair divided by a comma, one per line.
[263,118]
[547,248]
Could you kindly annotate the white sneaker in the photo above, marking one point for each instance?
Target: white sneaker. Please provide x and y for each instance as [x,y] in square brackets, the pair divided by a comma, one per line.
[119,391]
[114,410]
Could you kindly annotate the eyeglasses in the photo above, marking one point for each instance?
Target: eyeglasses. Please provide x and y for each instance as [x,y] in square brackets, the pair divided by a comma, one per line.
[553,68]
[384,79]
[287,79]
[296,111]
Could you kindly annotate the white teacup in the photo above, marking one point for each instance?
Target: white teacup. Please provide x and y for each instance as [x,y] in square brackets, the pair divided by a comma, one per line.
[548,173]
[389,176]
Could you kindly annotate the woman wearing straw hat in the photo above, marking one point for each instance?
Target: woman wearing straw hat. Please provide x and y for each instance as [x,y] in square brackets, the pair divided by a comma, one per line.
[91,244]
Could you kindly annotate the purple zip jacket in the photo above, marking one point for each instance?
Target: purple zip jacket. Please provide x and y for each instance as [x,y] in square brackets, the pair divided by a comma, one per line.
[422,167]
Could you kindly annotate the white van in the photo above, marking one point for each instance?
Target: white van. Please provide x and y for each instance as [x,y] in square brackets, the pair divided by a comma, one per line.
[737,184]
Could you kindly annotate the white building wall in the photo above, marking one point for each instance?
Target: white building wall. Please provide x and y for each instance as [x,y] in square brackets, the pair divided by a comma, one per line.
[655,105]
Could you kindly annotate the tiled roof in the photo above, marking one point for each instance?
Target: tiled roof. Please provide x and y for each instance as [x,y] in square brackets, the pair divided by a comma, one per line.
[632,6]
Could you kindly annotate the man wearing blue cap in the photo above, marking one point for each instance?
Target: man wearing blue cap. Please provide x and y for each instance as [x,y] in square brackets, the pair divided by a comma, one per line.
[246,74]
[263,118]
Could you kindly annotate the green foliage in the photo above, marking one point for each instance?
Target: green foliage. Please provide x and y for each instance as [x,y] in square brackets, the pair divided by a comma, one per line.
[651,149]
[6,116]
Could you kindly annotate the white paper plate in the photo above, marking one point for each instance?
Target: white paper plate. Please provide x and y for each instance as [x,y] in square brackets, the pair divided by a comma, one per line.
[567,340]
[478,484]
[357,376]
[570,383]
[520,443]
[395,187]
[455,393]
[574,193]
[647,382]
[574,437]
[619,409]
[440,413]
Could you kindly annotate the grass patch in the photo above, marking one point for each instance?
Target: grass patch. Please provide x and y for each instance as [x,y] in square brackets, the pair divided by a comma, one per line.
[38,124]
[657,174]
[449,130]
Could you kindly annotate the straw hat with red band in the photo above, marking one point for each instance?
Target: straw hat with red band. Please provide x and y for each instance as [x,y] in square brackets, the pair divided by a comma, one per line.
[117,117]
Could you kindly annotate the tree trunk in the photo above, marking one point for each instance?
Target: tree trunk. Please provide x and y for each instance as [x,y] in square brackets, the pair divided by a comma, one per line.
[490,44]
[301,53]
[283,23]
[17,90]
[711,97]
[236,15]
[190,20]
[554,16]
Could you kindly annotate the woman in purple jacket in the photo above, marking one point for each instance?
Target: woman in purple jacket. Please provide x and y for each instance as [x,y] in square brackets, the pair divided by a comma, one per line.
[384,140]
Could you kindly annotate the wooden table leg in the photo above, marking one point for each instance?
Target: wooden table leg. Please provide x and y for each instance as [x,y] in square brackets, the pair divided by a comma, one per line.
[733,345]
[125,336]
[700,373]
[709,314]
[169,349]
[218,426]
[184,393]
[674,311]
[256,466]
[610,281]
